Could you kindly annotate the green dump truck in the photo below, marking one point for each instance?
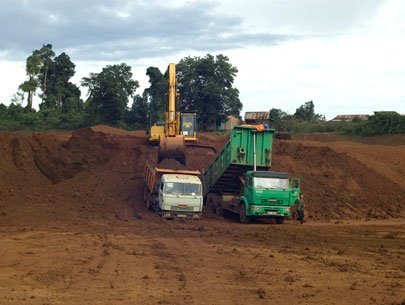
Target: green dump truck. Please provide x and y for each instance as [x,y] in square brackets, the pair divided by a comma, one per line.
[240,181]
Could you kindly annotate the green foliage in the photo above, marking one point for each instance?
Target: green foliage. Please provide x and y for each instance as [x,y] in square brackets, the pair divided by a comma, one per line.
[156,94]
[377,124]
[277,118]
[43,64]
[306,113]
[61,106]
[138,116]
[58,92]
[109,92]
[384,123]
[206,87]
[16,117]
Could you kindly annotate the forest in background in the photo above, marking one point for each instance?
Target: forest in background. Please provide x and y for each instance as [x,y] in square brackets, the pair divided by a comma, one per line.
[205,86]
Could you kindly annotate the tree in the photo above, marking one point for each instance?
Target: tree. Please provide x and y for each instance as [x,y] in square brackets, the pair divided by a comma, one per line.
[109,92]
[156,94]
[60,88]
[46,55]
[384,122]
[32,69]
[51,74]
[306,113]
[276,118]
[60,92]
[206,87]
[138,115]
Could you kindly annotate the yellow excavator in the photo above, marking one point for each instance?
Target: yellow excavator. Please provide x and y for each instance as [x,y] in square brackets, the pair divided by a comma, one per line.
[178,127]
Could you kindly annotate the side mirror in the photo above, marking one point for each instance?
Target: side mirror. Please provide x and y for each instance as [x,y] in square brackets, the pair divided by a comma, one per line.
[295,183]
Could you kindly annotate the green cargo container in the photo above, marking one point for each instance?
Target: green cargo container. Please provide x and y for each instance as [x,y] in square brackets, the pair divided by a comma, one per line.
[237,157]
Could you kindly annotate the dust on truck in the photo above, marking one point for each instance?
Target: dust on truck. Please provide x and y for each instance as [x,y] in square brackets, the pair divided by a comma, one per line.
[173,193]
[239,180]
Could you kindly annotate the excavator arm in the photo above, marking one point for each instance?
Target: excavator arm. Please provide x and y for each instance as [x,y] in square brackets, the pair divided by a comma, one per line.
[172,143]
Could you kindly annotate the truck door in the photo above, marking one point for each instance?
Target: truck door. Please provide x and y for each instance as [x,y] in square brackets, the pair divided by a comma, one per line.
[295,183]
[248,189]
[160,195]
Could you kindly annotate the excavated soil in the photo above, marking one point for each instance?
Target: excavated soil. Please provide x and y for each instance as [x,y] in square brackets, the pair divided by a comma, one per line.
[74,229]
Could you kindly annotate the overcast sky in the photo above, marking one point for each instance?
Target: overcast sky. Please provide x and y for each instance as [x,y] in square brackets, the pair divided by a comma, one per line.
[348,56]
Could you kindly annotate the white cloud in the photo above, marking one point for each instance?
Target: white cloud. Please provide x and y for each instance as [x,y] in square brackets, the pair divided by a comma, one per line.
[12,74]
[346,56]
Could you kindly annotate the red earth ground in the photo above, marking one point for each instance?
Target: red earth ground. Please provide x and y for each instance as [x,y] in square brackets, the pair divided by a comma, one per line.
[74,229]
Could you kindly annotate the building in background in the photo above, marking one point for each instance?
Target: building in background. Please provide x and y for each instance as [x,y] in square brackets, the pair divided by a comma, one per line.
[230,123]
[350,117]
[257,117]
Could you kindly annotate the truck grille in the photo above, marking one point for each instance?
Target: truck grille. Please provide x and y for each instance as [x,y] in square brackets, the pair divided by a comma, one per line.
[181,208]
[271,201]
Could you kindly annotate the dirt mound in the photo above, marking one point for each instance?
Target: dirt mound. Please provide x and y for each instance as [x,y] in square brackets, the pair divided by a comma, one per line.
[85,150]
[108,130]
[172,164]
[45,178]
[389,140]
[96,174]
[337,185]
[30,156]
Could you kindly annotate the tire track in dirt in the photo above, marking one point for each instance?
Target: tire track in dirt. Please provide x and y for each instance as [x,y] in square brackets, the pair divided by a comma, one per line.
[169,265]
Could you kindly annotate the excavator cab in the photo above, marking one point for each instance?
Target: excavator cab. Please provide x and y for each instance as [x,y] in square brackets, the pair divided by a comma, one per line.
[188,126]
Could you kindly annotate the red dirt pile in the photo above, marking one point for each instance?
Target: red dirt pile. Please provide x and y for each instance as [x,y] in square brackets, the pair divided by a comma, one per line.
[97,174]
[35,156]
[337,185]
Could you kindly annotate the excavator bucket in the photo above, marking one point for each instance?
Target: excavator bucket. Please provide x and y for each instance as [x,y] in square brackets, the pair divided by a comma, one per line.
[172,147]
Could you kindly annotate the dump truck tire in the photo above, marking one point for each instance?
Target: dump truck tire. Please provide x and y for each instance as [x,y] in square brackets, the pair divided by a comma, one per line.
[243,218]
[218,209]
[279,220]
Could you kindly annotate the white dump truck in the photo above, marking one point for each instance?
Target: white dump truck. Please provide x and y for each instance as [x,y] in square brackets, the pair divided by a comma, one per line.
[173,193]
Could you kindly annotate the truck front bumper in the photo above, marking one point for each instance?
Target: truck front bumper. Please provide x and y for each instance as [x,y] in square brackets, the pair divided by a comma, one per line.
[186,215]
[268,211]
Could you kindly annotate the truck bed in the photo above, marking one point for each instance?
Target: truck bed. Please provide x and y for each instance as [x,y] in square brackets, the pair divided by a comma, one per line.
[222,176]
[153,175]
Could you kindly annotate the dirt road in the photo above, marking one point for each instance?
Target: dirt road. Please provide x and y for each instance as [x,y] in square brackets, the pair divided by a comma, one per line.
[74,230]
[213,261]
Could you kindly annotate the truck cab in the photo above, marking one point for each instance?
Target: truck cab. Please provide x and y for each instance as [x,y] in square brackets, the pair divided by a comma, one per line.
[179,196]
[268,194]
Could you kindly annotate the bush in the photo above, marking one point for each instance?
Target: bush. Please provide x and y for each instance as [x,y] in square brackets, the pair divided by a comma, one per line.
[377,124]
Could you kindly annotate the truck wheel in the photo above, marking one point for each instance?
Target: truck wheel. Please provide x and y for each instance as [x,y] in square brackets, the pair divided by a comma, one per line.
[211,205]
[148,203]
[279,220]
[218,209]
[155,205]
[145,193]
[243,218]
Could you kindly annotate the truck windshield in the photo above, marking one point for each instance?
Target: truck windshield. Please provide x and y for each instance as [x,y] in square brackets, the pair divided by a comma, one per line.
[271,183]
[182,188]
